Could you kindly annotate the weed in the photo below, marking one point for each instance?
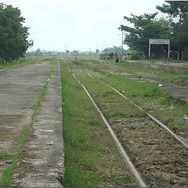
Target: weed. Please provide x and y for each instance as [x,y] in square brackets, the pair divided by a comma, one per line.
[7,178]
[4,155]
[147,96]
[16,63]
[150,98]
[89,149]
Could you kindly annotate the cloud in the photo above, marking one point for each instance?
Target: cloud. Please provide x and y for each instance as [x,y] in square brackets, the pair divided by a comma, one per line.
[81,24]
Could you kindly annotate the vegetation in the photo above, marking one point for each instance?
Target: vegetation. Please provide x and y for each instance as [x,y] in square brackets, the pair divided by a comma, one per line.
[161,105]
[134,55]
[147,27]
[40,52]
[167,109]
[178,18]
[111,103]
[91,157]
[114,50]
[16,63]
[13,35]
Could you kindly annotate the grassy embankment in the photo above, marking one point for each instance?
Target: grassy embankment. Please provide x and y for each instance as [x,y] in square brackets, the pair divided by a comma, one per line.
[154,74]
[7,177]
[91,157]
[136,72]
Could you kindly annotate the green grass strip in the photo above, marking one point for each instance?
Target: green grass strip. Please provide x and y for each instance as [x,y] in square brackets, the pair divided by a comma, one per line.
[7,177]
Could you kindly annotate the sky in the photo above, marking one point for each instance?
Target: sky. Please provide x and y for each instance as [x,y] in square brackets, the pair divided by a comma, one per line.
[83,25]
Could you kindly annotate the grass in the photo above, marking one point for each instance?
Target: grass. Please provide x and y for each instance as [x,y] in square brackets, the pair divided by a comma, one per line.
[156,74]
[4,156]
[16,63]
[91,157]
[7,177]
[169,110]
[127,122]
[139,72]
[112,104]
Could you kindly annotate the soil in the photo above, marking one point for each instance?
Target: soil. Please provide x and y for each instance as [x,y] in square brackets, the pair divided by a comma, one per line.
[157,155]
[161,160]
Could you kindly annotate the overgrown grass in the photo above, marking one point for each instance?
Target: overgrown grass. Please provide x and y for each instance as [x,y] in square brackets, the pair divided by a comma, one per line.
[139,72]
[169,110]
[111,103]
[4,155]
[91,157]
[155,74]
[7,177]
[17,63]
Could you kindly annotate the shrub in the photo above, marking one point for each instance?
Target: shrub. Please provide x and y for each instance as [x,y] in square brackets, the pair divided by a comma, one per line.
[134,55]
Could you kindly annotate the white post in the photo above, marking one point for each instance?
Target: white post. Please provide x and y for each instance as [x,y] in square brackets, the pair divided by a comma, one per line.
[122,45]
[169,49]
[149,49]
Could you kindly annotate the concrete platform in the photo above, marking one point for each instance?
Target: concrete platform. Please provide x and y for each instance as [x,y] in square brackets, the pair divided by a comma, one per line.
[170,67]
[19,90]
[43,162]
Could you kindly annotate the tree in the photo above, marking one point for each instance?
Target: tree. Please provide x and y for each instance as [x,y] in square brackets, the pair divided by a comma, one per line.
[114,49]
[13,35]
[178,17]
[97,51]
[67,51]
[145,27]
[38,52]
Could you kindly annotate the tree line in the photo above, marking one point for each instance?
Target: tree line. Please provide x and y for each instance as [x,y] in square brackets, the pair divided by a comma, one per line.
[13,34]
[148,26]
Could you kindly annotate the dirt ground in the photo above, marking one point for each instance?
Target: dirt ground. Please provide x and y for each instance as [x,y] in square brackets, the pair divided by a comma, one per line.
[158,156]
[161,160]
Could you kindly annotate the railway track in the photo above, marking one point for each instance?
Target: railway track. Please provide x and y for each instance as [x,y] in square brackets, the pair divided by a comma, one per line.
[133,169]
[154,152]
[149,115]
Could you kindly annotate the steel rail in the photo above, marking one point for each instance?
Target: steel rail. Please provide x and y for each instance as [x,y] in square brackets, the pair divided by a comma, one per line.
[123,152]
[149,115]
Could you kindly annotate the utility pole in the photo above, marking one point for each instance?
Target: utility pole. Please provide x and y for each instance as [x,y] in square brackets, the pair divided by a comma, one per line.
[122,45]
[179,37]
[122,42]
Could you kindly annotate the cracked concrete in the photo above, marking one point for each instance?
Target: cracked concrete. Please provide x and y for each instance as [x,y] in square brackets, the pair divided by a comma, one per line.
[42,164]
[19,90]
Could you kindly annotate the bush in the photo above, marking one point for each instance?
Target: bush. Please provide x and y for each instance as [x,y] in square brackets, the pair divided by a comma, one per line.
[104,56]
[134,55]
[2,61]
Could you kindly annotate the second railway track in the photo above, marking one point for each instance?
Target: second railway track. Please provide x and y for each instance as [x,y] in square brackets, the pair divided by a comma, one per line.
[158,155]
